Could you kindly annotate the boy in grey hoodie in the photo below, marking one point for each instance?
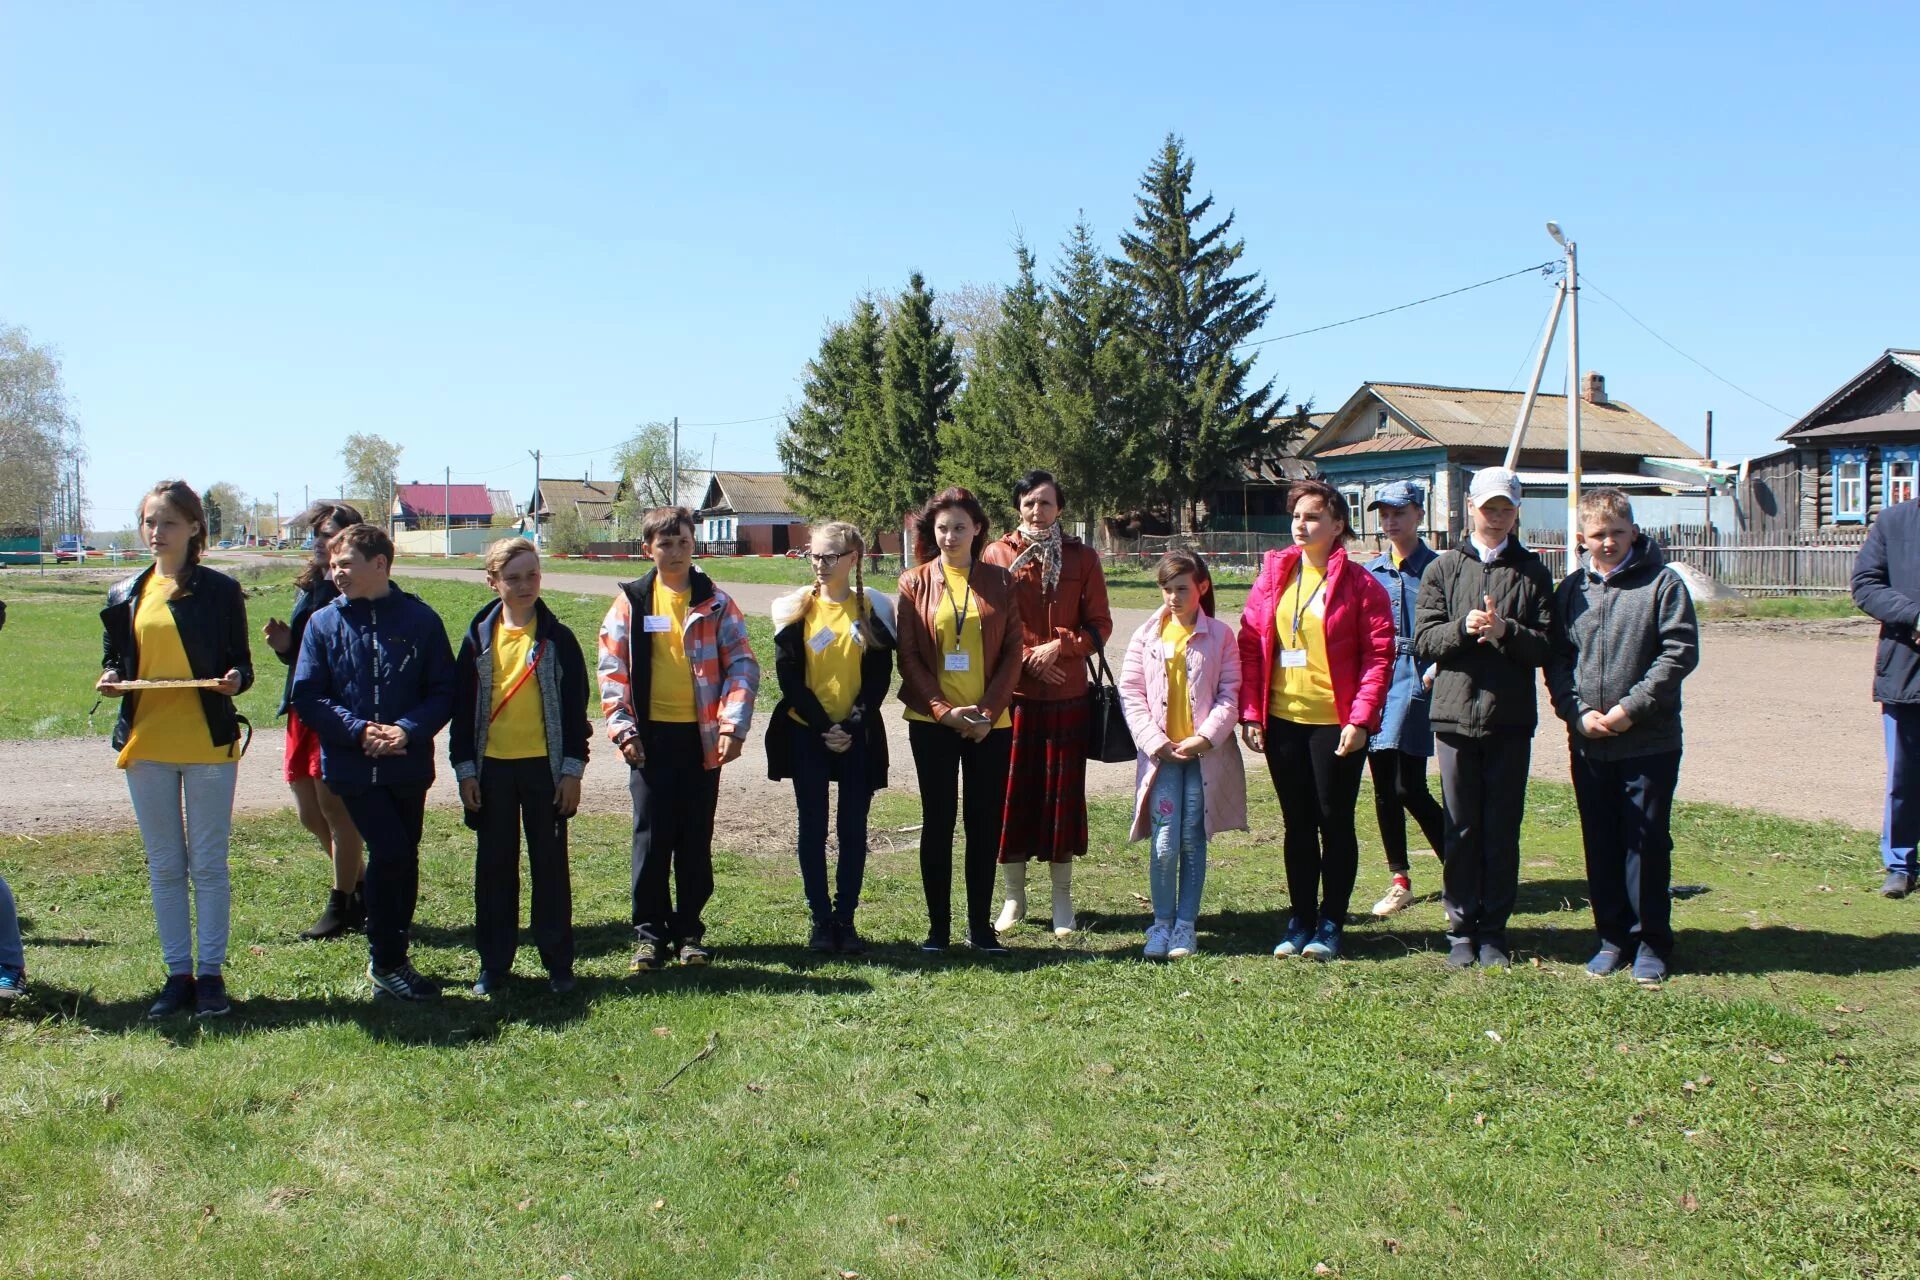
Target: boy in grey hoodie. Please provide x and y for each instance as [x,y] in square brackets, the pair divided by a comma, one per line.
[1624,637]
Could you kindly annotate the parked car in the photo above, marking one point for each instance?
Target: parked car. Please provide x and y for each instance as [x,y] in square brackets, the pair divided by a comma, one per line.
[225,544]
[70,547]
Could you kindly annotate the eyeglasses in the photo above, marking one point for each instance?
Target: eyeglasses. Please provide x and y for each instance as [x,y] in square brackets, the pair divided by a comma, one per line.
[824,561]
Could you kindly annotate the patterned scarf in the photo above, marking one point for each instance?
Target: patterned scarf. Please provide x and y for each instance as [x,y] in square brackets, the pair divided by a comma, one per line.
[1043,545]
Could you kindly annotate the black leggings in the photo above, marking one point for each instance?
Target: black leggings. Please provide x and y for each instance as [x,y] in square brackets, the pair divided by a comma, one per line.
[1318,792]
[1400,789]
[941,760]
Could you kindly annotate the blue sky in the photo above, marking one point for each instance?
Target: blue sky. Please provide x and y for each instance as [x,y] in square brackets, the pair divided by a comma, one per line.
[481,229]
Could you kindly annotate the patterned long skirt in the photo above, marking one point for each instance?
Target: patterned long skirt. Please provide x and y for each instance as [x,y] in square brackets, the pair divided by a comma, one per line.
[1046,811]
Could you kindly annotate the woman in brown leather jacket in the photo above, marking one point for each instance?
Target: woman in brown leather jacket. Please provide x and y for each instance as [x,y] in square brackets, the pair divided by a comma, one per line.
[959,661]
[1061,595]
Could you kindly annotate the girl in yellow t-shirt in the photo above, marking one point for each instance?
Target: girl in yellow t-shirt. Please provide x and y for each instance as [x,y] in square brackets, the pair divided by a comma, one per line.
[180,747]
[833,656]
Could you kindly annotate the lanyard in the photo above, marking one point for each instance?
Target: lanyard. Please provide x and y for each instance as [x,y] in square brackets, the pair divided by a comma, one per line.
[526,674]
[1300,606]
[960,611]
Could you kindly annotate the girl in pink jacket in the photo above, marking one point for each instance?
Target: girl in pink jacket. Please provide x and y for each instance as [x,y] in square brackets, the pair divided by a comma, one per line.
[1316,660]
[1180,687]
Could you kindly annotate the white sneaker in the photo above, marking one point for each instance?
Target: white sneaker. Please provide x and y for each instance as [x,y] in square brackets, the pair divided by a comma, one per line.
[1184,942]
[1157,939]
[1399,898]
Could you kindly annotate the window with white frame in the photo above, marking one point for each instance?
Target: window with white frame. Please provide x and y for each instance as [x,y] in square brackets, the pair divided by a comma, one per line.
[1382,423]
[1897,479]
[1356,497]
[1849,487]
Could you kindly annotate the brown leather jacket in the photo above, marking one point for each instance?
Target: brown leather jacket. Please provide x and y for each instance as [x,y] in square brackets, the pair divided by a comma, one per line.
[923,590]
[1079,601]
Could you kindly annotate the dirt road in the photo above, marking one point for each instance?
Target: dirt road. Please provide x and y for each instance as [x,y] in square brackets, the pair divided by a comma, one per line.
[1778,719]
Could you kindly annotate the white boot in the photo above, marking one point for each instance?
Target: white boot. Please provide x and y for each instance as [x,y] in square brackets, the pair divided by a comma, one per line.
[1062,898]
[1014,909]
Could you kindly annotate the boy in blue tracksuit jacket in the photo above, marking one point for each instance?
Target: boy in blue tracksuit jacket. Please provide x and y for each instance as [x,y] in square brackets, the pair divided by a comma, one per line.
[376,681]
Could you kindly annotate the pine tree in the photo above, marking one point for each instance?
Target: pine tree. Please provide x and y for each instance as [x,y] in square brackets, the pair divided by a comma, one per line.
[1096,384]
[919,377]
[1000,418]
[830,437]
[1188,311]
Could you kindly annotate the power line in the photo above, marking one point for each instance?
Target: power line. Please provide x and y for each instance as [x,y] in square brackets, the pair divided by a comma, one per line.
[1586,282]
[1541,267]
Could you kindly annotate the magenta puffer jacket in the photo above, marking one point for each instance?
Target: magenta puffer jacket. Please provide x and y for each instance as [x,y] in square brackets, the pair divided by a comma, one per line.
[1360,642]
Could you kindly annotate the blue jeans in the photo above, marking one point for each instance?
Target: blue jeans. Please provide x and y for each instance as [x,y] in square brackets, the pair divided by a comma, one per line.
[1900,827]
[12,955]
[1177,806]
[185,812]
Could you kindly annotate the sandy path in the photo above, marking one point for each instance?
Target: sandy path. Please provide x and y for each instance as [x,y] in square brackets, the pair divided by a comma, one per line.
[1778,719]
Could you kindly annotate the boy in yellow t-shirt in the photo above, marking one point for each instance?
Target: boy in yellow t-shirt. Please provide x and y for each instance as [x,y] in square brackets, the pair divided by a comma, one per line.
[519,744]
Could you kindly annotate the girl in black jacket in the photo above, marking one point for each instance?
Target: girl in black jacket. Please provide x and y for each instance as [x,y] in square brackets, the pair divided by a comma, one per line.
[321,812]
[833,646]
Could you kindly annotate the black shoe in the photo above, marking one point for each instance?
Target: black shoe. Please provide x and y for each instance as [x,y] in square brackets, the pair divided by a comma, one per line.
[1898,884]
[935,943]
[403,982]
[987,943]
[357,908]
[332,922]
[823,938]
[1461,955]
[175,997]
[562,983]
[649,956]
[210,997]
[849,940]
[1493,955]
[692,952]
[487,985]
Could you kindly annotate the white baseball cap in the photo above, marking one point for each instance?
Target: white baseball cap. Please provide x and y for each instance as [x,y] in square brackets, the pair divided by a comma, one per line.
[1493,482]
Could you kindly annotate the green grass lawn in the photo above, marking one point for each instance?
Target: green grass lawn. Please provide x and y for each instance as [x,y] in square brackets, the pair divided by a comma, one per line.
[1068,1112]
[51,647]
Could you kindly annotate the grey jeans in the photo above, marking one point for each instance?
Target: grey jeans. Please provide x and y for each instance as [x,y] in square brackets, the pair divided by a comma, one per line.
[185,812]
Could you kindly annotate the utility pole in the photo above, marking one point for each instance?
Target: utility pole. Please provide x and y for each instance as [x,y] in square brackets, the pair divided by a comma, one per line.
[1709,520]
[673,498]
[533,509]
[276,515]
[446,502]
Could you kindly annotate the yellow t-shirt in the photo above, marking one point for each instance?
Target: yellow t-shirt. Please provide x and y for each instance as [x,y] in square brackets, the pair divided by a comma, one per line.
[833,656]
[519,729]
[670,699]
[955,633]
[169,725]
[1174,634]
[1302,694]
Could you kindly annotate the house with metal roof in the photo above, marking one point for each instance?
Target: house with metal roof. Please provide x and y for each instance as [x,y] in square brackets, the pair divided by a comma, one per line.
[439,506]
[592,501]
[1853,455]
[753,512]
[1439,436]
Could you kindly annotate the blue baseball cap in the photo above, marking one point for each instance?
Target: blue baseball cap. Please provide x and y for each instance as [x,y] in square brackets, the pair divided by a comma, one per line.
[1399,493]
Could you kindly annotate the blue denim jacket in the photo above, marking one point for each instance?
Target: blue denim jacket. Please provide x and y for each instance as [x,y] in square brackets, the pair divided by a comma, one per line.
[1404,726]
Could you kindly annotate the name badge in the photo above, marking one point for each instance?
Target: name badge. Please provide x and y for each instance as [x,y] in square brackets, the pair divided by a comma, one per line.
[1291,658]
[959,662]
[657,622]
[821,639]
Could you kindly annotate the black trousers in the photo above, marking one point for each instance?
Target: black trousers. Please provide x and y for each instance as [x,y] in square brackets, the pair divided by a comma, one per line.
[516,796]
[1400,790]
[1626,811]
[1318,793]
[944,761]
[814,768]
[674,798]
[390,819]
[1483,786]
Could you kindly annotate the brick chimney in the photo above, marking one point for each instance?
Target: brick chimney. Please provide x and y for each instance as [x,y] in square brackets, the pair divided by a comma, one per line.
[1593,388]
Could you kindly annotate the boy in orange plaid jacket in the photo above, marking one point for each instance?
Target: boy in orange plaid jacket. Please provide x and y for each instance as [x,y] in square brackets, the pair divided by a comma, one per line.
[677,683]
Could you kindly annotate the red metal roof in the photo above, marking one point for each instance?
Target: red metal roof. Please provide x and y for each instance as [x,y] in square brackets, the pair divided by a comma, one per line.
[432,499]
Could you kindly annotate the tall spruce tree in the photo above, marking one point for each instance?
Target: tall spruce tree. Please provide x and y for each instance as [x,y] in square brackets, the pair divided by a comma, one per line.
[1000,419]
[831,442]
[1096,384]
[1187,310]
[919,377]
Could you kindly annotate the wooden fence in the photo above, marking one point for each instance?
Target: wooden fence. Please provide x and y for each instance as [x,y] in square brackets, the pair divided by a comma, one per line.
[1767,563]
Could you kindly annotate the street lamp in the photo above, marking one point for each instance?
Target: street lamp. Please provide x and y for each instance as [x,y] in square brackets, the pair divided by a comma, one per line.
[1565,294]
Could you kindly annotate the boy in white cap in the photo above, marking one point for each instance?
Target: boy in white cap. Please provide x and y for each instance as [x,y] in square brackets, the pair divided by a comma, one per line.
[1483,618]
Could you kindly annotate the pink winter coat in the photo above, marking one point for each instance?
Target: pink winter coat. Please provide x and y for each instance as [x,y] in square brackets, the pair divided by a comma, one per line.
[1360,641]
[1213,683]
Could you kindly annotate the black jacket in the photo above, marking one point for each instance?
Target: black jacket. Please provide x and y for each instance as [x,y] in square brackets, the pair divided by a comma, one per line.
[790,669]
[1627,640]
[1886,585]
[211,616]
[1482,686]
[305,605]
[562,681]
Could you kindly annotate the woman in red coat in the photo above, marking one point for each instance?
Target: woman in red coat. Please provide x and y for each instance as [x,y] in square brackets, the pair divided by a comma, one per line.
[1316,660]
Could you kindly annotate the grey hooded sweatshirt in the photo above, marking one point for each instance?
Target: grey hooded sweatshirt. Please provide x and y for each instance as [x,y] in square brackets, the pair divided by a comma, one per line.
[1626,640]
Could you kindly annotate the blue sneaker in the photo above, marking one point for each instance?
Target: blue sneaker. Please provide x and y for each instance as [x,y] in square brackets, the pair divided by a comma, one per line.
[1649,970]
[13,984]
[1296,939]
[1326,942]
[1607,960]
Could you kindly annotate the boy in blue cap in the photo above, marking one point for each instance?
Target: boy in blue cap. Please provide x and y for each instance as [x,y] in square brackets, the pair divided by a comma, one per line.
[1397,755]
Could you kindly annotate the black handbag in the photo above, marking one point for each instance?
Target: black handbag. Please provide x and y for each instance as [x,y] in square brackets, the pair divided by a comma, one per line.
[1109,740]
